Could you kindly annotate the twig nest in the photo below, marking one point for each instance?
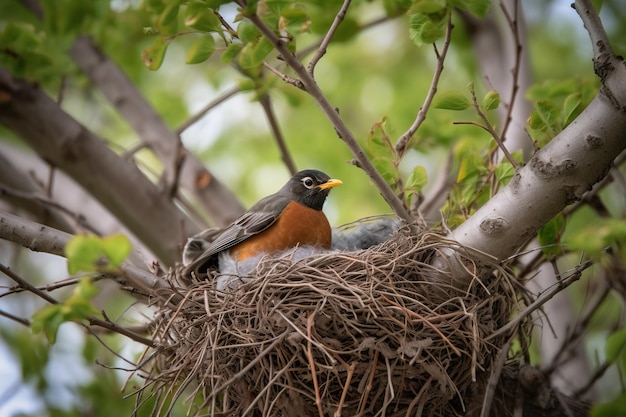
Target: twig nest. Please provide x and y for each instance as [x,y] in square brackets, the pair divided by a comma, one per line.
[365,332]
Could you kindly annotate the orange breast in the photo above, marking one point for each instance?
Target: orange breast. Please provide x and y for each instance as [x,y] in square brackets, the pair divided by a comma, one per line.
[298,225]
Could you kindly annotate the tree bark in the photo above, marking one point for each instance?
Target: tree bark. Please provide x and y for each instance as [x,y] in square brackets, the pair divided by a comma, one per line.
[118,184]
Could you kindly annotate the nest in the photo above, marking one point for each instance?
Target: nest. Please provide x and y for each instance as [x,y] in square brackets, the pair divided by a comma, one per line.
[375,332]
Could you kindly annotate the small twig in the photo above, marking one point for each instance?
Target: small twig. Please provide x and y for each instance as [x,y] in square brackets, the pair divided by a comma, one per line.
[402,144]
[315,45]
[542,299]
[486,125]
[199,115]
[15,318]
[286,79]
[47,202]
[115,328]
[494,378]
[27,285]
[514,25]
[321,51]
[309,354]
[344,133]
[266,103]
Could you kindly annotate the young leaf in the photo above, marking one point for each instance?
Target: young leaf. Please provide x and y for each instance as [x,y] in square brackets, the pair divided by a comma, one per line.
[152,56]
[571,107]
[201,50]
[416,182]
[167,22]
[615,345]
[549,236]
[83,253]
[425,29]
[491,101]
[199,17]
[48,319]
[451,100]
[231,52]
[479,8]
[116,248]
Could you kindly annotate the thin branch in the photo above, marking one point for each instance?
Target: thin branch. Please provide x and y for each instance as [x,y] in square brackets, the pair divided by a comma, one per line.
[40,238]
[599,39]
[494,378]
[542,299]
[27,285]
[337,122]
[15,318]
[115,328]
[46,203]
[266,103]
[120,186]
[284,77]
[402,144]
[321,51]
[487,127]
[214,103]
[514,25]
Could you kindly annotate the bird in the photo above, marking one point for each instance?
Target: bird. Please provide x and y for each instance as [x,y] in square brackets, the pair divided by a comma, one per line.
[291,217]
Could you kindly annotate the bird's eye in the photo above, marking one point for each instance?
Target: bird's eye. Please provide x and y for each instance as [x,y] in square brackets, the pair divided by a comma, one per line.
[308,182]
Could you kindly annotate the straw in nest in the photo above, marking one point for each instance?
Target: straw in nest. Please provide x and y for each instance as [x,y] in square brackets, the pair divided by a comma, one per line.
[373,332]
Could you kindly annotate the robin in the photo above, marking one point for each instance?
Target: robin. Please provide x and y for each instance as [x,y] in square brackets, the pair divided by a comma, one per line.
[291,217]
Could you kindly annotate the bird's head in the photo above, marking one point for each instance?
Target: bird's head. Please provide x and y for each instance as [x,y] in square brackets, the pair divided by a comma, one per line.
[310,187]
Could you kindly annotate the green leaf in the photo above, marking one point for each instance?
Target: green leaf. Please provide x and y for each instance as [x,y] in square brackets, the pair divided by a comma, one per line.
[231,52]
[571,108]
[91,253]
[116,248]
[614,408]
[428,7]
[201,50]
[152,56]
[549,113]
[480,8]
[294,21]
[504,172]
[451,100]
[615,345]
[416,182]
[247,32]
[48,319]
[491,101]
[382,152]
[167,22]
[426,29]
[199,17]
[549,236]
[83,253]
[253,54]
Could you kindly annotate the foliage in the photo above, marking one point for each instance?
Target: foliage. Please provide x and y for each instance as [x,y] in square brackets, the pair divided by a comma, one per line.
[375,74]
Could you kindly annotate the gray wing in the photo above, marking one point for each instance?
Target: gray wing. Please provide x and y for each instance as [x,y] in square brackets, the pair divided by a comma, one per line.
[260,216]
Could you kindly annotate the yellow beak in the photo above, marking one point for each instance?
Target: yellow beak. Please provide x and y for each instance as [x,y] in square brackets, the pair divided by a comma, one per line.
[330,184]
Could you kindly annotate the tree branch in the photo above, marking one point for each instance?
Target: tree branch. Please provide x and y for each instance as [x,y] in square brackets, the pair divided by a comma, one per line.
[321,51]
[219,202]
[119,185]
[402,144]
[40,238]
[266,103]
[337,122]
[599,39]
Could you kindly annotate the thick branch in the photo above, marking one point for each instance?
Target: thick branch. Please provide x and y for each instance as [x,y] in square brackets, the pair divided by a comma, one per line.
[40,238]
[118,184]
[219,202]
